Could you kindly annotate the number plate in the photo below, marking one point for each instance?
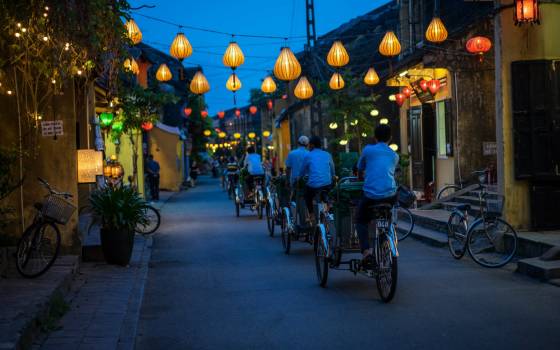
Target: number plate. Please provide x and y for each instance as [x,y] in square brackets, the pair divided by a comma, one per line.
[382,224]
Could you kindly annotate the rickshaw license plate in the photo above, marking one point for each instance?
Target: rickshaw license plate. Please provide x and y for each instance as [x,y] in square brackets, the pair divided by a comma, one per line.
[382,224]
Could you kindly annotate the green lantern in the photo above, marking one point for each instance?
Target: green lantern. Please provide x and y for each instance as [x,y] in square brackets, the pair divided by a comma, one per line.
[106,119]
[117,127]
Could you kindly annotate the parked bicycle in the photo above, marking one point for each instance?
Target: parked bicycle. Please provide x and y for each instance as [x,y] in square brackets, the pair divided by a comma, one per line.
[490,240]
[39,245]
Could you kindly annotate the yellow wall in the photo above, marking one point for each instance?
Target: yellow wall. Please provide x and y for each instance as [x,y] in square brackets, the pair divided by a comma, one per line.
[124,156]
[167,149]
[527,42]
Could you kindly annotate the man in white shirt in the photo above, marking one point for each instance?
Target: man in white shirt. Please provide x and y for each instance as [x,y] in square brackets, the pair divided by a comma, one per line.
[253,163]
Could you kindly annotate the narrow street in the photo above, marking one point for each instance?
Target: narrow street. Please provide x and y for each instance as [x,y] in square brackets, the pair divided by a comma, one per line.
[220,282]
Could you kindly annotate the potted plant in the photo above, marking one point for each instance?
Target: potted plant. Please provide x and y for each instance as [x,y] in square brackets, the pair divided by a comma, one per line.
[121,210]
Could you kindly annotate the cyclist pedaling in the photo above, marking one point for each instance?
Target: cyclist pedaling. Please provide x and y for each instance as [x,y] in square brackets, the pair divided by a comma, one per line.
[295,159]
[253,163]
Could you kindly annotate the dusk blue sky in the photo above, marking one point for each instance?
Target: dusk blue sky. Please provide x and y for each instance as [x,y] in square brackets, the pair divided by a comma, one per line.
[262,17]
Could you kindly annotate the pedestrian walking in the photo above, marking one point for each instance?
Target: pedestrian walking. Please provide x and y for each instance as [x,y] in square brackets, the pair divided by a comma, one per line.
[194,172]
[152,168]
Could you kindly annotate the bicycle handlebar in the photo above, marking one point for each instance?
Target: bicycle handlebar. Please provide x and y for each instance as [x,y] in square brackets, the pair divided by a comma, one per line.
[52,190]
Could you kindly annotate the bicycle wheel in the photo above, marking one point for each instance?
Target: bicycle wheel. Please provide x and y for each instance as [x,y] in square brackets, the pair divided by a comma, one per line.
[447,191]
[492,242]
[321,258]
[153,221]
[387,271]
[286,234]
[269,219]
[37,249]
[457,235]
[404,223]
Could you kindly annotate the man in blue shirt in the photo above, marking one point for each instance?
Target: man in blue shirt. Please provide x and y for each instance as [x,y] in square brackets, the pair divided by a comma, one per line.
[253,163]
[377,165]
[318,165]
[295,160]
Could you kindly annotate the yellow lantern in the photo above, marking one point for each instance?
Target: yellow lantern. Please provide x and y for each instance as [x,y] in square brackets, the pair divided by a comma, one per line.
[180,47]
[343,142]
[233,57]
[266,133]
[222,134]
[354,122]
[133,32]
[371,78]
[233,83]
[374,112]
[207,132]
[251,135]
[436,31]
[394,147]
[392,97]
[333,126]
[130,65]
[287,66]
[390,45]
[163,73]
[338,56]
[268,85]
[384,121]
[199,84]
[336,82]
[303,89]
[237,135]
[364,134]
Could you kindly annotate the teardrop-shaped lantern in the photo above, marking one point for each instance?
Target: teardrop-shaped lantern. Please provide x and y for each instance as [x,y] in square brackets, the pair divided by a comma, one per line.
[130,65]
[237,135]
[233,57]
[436,31]
[287,66]
[253,110]
[204,114]
[251,135]
[268,85]
[269,104]
[336,82]
[207,133]
[133,32]
[390,45]
[371,78]
[338,56]
[303,89]
[187,111]
[237,113]
[147,125]
[180,47]
[233,83]
[163,73]
[199,85]
[221,114]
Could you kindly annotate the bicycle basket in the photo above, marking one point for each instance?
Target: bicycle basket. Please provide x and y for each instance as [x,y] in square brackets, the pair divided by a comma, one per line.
[58,209]
[495,205]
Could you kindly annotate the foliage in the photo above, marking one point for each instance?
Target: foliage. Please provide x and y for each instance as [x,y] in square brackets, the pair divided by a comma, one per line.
[9,181]
[197,124]
[120,207]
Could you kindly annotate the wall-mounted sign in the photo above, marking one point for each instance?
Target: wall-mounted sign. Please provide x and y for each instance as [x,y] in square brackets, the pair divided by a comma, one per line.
[90,164]
[489,149]
[52,128]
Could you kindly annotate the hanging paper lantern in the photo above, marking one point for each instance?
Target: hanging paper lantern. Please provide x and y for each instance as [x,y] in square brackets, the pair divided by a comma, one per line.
[479,45]
[222,134]
[147,125]
[423,85]
[343,142]
[237,135]
[269,104]
[163,73]
[336,82]
[199,85]
[130,65]
[434,85]
[105,119]
[354,122]
[251,135]
[233,83]
[207,133]
[371,78]
[117,126]
[253,110]
[338,56]
[133,32]
[303,89]
[266,133]
[394,147]
[526,11]
[436,31]
[187,111]
[221,114]
[392,98]
[204,113]
[180,47]
[407,91]
[268,85]
[237,113]
[374,112]
[383,121]
[233,57]
[333,126]
[287,66]
[390,45]
[400,98]
[364,134]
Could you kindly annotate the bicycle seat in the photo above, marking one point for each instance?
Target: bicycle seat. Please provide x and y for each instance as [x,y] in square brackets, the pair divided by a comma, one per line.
[463,207]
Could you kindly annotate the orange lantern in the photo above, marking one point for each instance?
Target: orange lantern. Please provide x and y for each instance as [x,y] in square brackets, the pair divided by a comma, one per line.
[287,66]
[336,82]
[199,85]
[233,83]
[407,91]
[221,114]
[163,73]
[268,85]
[436,31]
[479,45]
[237,113]
[303,89]
[371,78]
[253,110]
[130,65]
[187,111]
[133,32]
[233,57]
[269,104]
[147,125]
[390,45]
[434,86]
[400,98]
[180,47]
[204,113]
[526,11]
[338,56]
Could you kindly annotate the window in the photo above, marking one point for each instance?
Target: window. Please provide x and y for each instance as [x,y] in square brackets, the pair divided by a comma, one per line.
[443,130]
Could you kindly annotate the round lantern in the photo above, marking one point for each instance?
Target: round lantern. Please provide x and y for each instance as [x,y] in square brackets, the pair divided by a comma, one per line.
[268,85]
[147,125]
[343,142]
[266,133]
[187,111]
[371,78]
[479,45]
[392,98]
[251,135]
[423,85]
[233,57]
[390,45]
[400,98]
[133,32]
[269,104]
[526,11]
[364,134]
[374,112]
[163,73]
[204,114]
[199,85]
[333,126]
[207,133]
[407,91]
[237,135]
[180,47]
[233,83]
[237,113]
[221,114]
[105,119]
[338,56]
[394,147]
[383,121]
[130,65]
[336,82]
[117,126]
[303,89]
[253,110]
[287,66]
[222,134]
[433,86]
[436,31]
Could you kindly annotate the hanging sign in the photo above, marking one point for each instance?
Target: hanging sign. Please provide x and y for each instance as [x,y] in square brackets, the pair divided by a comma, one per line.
[90,164]
[52,128]
[489,149]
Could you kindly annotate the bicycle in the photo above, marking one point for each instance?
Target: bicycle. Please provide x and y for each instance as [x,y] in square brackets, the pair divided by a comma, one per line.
[402,218]
[39,245]
[294,225]
[490,240]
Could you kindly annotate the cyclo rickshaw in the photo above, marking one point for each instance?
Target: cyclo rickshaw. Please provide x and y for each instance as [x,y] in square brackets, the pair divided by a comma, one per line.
[277,197]
[244,197]
[336,238]
[232,178]
[295,226]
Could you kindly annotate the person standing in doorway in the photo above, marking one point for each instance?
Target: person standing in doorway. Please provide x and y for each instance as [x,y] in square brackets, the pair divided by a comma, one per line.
[152,168]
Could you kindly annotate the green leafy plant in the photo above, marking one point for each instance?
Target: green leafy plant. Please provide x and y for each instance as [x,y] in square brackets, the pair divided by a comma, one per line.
[120,207]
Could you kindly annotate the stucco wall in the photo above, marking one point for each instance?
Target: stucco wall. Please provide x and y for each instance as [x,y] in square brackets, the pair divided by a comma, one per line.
[167,151]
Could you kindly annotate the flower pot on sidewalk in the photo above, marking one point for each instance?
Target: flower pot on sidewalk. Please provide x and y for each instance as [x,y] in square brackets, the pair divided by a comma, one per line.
[117,245]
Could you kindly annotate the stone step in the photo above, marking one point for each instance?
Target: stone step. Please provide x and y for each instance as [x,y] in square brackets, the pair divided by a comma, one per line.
[537,268]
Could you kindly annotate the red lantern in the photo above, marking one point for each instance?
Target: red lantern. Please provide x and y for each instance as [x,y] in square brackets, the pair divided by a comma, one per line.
[253,110]
[284,97]
[400,98]
[526,11]
[204,114]
[479,45]
[237,113]
[147,125]
[221,114]
[406,91]
[187,111]
[269,104]
[423,85]
[434,85]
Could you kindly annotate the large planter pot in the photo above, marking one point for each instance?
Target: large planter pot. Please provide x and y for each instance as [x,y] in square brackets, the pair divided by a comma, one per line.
[117,245]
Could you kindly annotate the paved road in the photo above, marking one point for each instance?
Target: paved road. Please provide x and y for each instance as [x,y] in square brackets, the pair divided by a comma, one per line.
[219,282]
